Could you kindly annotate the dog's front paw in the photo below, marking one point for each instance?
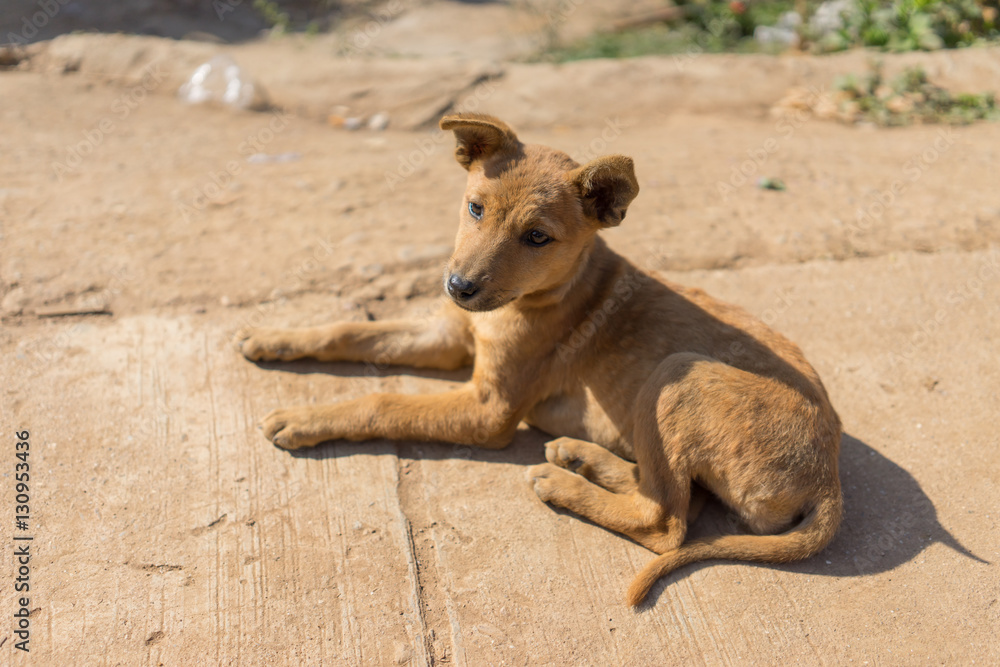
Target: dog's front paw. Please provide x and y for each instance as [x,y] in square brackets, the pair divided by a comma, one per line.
[290,428]
[268,344]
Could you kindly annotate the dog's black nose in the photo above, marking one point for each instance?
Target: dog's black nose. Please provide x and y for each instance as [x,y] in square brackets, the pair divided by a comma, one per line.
[460,288]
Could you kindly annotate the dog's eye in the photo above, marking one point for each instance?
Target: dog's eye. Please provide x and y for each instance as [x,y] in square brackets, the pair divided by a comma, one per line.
[537,238]
[476,210]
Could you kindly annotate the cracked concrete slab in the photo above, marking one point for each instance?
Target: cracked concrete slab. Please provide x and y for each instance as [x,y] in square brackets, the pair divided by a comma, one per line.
[167,530]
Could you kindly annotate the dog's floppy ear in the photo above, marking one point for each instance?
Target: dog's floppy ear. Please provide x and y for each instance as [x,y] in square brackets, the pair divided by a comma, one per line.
[607,186]
[479,136]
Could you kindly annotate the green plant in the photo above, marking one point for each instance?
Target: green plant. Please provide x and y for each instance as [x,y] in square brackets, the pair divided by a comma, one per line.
[910,98]
[708,26]
[910,25]
[704,26]
[271,11]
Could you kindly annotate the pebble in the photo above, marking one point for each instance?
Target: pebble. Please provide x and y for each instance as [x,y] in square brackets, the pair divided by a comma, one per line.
[409,253]
[379,121]
[371,271]
[14,301]
[369,293]
[405,288]
[348,123]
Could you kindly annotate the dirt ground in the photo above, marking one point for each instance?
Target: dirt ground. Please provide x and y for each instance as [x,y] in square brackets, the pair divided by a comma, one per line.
[137,237]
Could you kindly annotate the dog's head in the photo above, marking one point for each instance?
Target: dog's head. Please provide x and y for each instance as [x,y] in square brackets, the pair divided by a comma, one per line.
[528,215]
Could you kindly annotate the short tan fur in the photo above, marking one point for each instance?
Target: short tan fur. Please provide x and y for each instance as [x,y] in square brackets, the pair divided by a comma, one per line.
[654,390]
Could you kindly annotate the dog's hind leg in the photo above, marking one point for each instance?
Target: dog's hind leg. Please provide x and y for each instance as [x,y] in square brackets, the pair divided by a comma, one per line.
[635,514]
[443,341]
[594,463]
[656,510]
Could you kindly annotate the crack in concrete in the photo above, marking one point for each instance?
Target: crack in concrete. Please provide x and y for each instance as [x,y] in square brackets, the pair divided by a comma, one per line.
[431,121]
[425,639]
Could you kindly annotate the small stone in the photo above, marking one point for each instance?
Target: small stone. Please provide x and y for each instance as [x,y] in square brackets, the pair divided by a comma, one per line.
[379,121]
[410,253]
[884,92]
[369,293]
[371,271]
[14,301]
[406,288]
[344,122]
[899,105]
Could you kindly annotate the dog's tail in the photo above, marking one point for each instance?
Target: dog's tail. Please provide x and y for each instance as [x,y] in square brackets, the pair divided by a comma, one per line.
[804,540]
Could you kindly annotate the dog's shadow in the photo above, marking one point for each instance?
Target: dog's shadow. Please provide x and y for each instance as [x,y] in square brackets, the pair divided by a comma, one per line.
[527,448]
[349,370]
[888,519]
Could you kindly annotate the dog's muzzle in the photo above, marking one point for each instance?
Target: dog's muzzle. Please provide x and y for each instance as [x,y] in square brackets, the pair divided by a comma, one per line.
[460,289]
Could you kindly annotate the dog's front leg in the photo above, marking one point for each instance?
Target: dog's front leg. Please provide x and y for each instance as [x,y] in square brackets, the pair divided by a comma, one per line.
[467,416]
[442,342]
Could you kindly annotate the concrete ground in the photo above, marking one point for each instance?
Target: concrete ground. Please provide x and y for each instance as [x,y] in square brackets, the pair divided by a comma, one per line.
[166,530]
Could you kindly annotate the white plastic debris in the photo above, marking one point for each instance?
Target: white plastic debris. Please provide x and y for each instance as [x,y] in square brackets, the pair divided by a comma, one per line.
[829,16]
[222,81]
[379,121]
[274,158]
[785,32]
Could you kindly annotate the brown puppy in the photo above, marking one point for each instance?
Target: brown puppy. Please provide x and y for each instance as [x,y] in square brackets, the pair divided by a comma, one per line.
[573,339]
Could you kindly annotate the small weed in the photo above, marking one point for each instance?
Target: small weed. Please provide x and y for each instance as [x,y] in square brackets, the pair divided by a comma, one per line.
[905,25]
[774,25]
[703,27]
[273,14]
[909,99]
